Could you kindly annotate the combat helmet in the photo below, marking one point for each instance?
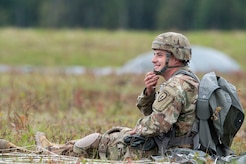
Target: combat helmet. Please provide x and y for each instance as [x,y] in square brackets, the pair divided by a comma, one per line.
[175,43]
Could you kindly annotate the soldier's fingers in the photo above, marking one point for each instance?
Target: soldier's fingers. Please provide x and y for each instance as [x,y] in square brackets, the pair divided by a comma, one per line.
[151,77]
[150,84]
[149,73]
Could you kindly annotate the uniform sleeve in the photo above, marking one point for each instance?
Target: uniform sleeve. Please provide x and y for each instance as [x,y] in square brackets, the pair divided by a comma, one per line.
[166,110]
[144,103]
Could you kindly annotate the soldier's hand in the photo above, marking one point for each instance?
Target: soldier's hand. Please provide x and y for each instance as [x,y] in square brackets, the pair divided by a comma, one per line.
[150,82]
[133,131]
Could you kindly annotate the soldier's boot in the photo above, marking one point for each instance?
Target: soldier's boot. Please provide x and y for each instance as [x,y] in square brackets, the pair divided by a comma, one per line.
[88,146]
[47,147]
[7,146]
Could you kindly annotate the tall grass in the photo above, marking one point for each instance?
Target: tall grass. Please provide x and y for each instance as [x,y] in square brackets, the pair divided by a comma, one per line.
[65,105]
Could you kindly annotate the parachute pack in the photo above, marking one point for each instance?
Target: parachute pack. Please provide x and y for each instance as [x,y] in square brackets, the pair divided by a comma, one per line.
[219,114]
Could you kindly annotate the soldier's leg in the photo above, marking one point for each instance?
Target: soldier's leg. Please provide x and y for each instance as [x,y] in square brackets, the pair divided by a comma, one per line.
[7,146]
[85,147]
[47,147]
[88,145]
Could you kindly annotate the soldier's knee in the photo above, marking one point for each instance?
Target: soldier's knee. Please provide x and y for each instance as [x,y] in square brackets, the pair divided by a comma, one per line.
[90,141]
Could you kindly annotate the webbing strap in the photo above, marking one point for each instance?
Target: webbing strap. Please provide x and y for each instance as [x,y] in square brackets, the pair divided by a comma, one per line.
[179,141]
[102,149]
[187,73]
[103,145]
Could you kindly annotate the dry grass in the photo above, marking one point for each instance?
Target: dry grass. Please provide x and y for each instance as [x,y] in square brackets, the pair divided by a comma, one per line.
[68,107]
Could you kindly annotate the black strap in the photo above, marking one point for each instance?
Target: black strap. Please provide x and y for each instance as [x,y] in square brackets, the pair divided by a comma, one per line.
[162,141]
[140,142]
[178,141]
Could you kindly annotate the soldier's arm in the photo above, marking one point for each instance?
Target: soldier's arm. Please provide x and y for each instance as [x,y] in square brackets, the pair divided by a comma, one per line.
[147,97]
[166,110]
[144,102]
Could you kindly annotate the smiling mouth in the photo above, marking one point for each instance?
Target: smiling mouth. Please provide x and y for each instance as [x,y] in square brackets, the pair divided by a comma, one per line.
[156,67]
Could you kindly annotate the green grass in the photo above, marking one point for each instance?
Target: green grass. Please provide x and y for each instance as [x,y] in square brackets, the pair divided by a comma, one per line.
[70,47]
[229,42]
[98,48]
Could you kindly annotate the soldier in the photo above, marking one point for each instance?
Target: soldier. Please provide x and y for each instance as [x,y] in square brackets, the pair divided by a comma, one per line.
[169,112]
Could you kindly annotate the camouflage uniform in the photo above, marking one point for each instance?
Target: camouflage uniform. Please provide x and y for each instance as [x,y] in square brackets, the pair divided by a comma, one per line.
[117,149]
[107,146]
[173,104]
[172,108]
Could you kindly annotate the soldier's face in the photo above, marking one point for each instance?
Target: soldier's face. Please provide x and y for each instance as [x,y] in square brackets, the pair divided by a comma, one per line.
[159,59]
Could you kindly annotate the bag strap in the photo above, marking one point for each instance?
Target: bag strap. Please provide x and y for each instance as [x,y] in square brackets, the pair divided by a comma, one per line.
[105,140]
[188,73]
[187,139]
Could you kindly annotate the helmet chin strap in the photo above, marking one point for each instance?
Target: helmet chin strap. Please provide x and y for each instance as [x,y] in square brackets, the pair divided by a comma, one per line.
[168,55]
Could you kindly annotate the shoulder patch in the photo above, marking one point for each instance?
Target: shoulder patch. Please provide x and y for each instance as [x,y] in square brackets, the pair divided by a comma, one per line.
[162,96]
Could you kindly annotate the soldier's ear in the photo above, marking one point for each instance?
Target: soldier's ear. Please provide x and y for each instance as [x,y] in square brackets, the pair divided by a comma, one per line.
[176,61]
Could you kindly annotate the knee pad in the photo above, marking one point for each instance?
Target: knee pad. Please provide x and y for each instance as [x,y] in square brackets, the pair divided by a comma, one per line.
[87,142]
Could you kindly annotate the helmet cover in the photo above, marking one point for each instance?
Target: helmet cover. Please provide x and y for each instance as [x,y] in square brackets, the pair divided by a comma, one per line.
[175,43]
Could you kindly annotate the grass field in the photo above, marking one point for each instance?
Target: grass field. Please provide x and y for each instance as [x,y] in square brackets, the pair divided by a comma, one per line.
[93,48]
[68,107]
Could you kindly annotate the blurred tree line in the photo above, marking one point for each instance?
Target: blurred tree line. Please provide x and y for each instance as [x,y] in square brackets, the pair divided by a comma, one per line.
[125,14]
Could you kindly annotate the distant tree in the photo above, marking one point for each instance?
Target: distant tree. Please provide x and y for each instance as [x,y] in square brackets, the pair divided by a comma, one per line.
[19,13]
[228,14]
[125,14]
